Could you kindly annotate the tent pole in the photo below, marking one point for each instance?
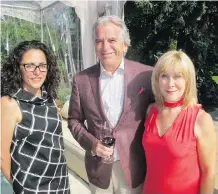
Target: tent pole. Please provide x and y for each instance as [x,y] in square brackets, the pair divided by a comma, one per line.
[41,22]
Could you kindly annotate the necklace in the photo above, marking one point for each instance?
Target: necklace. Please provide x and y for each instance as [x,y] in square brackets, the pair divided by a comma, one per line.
[174,104]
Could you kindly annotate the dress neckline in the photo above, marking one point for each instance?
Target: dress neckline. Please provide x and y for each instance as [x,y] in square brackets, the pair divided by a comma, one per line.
[26,96]
[170,127]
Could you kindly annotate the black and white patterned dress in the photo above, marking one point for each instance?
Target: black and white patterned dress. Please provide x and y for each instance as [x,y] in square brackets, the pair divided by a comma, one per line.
[38,165]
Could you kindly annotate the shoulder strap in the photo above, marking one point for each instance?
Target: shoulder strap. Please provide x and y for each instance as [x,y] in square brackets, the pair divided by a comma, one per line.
[184,128]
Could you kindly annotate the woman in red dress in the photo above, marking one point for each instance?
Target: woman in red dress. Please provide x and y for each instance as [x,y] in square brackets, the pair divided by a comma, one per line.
[180,137]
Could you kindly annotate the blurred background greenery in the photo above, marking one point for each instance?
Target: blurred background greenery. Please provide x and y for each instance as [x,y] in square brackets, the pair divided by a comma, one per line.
[158,26]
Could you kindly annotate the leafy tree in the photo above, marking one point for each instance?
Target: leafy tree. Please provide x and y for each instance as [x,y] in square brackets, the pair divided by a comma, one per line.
[158,26]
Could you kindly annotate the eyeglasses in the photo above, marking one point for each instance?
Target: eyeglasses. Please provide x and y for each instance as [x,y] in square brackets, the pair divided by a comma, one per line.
[30,67]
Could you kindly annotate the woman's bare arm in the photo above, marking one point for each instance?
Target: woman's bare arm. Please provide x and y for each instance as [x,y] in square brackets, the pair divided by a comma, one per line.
[206,147]
[10,115]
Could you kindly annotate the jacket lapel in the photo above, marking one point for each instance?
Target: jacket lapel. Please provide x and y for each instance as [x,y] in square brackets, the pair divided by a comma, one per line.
[127,101]
[95,84]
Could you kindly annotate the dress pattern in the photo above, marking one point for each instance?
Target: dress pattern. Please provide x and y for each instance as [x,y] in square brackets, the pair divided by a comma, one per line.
[38,165]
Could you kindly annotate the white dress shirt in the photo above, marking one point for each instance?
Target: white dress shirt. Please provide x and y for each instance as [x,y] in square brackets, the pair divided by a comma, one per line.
[112,94]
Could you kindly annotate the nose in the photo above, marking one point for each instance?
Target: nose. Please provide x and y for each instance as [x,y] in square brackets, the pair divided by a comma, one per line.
[105,45]
[171,82]
[37,71]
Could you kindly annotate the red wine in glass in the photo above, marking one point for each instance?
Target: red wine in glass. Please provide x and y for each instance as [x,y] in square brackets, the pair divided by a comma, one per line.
[108,141]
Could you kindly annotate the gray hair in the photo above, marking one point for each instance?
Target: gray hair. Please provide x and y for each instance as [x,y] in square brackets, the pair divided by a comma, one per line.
[118,22]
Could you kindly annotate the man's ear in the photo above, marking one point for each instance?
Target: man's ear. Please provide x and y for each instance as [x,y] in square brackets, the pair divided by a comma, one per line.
[125,49]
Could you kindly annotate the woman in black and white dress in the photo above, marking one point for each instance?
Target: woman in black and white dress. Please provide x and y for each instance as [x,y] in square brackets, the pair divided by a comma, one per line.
[32,152]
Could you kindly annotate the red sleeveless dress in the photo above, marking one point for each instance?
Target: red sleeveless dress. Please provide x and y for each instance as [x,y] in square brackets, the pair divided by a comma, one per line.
[172,160]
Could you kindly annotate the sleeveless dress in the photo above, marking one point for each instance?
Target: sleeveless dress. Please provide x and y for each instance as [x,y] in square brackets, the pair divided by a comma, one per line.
[172,160]
[38,165]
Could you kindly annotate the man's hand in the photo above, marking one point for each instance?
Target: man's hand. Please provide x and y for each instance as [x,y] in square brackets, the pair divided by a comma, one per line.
[103,151]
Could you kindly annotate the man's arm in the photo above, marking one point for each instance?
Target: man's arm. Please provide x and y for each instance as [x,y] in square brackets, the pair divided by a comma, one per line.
[76,120]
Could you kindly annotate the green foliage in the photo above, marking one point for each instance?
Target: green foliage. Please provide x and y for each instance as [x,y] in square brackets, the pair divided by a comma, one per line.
[215,78]
[63,94]
[14,30]
[158,26]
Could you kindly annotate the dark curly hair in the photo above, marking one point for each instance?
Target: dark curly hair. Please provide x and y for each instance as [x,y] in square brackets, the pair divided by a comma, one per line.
[11,79]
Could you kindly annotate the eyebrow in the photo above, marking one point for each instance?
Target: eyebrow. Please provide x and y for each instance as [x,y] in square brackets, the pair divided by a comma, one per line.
[109,38]
[33,64]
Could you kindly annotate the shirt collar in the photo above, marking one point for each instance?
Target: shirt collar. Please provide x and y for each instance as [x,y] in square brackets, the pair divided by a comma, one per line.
[121,67]
[26,96]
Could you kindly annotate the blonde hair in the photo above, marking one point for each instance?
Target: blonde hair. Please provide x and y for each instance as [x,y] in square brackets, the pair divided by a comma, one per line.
[180,62]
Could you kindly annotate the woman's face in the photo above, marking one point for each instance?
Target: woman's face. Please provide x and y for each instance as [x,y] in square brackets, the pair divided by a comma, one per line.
[172,85]
[34,70]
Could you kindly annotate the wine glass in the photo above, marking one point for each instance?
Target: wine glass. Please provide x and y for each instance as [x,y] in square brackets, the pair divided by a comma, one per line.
[107,139]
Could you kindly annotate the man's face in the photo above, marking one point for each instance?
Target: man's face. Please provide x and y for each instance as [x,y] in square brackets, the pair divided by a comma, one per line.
[110,47]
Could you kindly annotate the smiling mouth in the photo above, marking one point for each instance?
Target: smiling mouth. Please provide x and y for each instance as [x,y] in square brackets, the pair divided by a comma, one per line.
[106,54]
[36,79]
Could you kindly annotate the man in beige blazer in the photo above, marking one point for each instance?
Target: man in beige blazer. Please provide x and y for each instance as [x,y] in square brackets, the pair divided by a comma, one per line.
[118,91]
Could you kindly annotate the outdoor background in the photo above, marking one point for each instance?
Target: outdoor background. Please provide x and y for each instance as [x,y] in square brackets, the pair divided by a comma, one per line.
[158,26]
[155,27]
